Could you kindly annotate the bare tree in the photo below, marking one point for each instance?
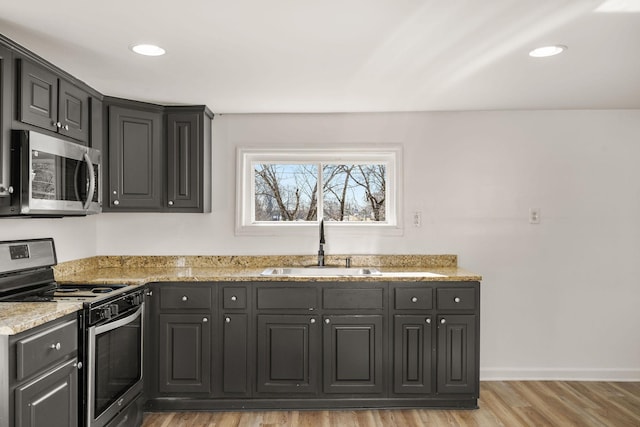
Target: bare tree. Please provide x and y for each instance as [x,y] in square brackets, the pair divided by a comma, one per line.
[373,179]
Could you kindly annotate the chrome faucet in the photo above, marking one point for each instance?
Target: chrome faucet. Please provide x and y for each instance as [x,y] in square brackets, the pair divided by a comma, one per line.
[322,242]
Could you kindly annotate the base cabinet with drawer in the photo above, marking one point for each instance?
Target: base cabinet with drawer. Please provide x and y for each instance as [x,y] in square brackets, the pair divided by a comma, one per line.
[42,367]
[179,342]
[312,345]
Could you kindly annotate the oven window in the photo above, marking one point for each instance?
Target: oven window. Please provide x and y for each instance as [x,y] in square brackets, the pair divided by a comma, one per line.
[118,363]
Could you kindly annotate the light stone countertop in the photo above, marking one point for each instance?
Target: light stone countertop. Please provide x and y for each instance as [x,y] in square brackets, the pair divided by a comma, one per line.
[16,317]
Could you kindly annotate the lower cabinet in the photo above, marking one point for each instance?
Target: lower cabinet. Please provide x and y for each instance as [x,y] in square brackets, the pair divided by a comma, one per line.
[288,351]
[352,354]
[41,369]
[185,353]
[313,345]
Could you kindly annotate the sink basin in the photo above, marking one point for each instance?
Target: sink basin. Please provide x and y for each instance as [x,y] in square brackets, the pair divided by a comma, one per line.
[321,271]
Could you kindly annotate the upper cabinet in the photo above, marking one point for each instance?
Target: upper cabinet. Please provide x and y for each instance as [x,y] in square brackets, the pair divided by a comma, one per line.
[5,123]
[50,102]
[159,157]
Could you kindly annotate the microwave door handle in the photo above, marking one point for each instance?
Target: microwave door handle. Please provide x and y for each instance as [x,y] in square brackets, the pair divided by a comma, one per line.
[92,181]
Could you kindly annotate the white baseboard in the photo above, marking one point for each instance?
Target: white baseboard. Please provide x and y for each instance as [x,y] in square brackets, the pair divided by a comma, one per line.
[558,374]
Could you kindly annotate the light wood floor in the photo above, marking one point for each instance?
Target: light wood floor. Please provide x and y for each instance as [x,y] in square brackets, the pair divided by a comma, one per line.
[502,403]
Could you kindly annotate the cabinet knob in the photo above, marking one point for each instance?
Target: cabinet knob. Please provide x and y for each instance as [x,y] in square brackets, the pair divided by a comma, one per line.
[184,298]
[227,320]
[414,299]
[456,300]
[170,202]
[234,298]
[116,202]
[205,320]
[55,346]
[327,321]
[57,124]
[428,320]
[66,127]
[312,321]
[443,321]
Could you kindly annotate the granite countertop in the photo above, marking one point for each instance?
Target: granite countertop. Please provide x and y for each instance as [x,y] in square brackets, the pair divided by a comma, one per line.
[16,317]
[140,270]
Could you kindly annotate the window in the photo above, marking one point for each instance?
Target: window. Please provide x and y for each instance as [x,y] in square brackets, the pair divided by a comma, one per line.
[287,188]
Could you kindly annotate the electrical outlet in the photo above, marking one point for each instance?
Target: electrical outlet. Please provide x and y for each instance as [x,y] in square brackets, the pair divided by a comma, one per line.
[417,219]
[534,215]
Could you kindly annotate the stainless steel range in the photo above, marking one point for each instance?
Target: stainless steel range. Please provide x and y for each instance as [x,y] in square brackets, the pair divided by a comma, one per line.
[111,322]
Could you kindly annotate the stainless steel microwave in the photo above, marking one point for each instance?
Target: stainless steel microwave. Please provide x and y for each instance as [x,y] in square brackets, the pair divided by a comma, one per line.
[52,177]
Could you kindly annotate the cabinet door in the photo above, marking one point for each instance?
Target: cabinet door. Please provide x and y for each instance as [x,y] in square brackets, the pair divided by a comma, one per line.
[38,97]
[288,348]
[235,354]
[184,357]
[73,111]
[184,173]
[353,354]
[135,160]
[5,122]
[457,354]
[51,400]
[412,361]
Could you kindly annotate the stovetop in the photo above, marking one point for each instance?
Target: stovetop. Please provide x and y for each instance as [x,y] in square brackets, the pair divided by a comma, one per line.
[72,292]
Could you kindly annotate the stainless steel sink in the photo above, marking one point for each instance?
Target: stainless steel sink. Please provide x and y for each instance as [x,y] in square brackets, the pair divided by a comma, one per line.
[321,271]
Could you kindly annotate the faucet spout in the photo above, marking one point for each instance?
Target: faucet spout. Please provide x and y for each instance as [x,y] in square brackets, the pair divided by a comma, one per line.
[322,242]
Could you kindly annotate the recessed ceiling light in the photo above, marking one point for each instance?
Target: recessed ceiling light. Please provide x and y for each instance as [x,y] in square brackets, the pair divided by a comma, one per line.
[148,49]
[544,51]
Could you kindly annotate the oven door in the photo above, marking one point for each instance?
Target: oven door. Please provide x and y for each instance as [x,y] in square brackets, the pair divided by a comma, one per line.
[59,177]
[114,374]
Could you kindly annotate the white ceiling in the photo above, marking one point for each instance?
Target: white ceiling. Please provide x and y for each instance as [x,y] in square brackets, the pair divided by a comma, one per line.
[341,55]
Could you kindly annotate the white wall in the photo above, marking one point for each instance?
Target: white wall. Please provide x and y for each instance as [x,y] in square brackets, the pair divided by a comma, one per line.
[559,299]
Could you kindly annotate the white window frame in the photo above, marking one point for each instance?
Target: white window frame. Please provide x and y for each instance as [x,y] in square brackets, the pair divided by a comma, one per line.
[246,157]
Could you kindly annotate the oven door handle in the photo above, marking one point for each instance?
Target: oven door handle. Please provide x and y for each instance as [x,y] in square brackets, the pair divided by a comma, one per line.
[118,323]
[92,181]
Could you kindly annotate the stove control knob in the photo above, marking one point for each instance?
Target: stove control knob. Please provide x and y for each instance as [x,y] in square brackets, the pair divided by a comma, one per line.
[114,309]
[105,313]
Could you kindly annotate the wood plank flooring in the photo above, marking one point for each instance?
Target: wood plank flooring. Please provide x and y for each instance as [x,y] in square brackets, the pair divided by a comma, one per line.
[502,403]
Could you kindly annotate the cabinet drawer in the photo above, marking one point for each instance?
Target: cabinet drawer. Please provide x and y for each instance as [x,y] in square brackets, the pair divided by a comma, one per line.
[413,299]
[234,297]
[301,298]
[185,297]
[353,298]
[456,298]
[38,351]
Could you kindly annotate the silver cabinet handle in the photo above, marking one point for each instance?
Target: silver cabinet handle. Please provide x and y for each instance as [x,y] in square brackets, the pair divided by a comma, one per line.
[414,299]
[456,300]
[116,202]
[312,321]
[184,298]
[205,320]
[443,321]
[428,320]
[327,321]
[57,124]
[227,320]
[55,346]
[170,202]
[66,127]
[234,298]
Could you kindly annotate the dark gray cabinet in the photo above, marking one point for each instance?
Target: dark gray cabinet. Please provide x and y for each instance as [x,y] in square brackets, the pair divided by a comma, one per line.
[188,159]
[179,345]
[457,354]
[5,123]
[286,344]
[51,400]
[135,158]
[159,157]
[412,355]
[288,353]
[52,103]
[41,376]
[352,354]
[184,357]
